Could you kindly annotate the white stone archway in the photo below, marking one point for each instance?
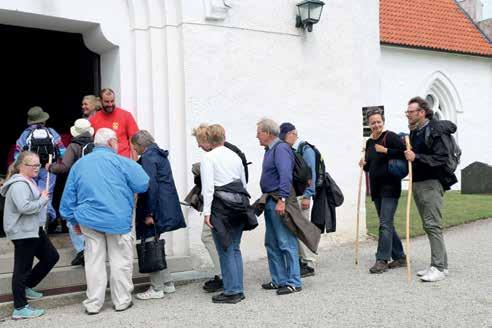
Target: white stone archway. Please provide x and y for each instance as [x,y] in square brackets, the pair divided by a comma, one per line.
[443,96]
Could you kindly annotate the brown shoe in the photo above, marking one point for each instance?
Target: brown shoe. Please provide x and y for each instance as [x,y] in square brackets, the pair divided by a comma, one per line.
[400,263]
[379,267]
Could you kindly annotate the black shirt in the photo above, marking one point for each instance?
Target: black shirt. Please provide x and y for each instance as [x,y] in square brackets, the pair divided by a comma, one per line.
[422,171]
[382,183]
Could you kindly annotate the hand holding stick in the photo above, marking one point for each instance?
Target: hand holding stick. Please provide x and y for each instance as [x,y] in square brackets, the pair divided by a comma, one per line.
[409,203]
[50,158]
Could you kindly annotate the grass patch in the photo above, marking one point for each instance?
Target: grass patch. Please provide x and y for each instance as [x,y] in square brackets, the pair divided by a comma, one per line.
[458,209]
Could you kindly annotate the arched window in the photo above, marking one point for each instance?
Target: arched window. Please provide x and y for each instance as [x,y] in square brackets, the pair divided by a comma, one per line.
[435,105]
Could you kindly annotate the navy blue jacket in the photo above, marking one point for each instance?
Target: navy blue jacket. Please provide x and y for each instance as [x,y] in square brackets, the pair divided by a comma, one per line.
[161,199]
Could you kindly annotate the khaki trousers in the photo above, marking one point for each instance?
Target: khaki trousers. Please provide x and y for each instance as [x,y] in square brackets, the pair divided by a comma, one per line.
[209,243]
[119,250]
[305,254]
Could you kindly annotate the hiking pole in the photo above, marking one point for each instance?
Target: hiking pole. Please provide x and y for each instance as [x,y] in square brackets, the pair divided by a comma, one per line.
[50,158]
[358,211]
[409,203]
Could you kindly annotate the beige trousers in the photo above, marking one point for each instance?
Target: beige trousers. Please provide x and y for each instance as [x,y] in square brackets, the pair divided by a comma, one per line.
[208,241]
[119,250]
[305,253]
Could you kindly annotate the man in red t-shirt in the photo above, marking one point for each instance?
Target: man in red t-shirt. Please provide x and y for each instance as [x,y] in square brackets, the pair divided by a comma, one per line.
[117,119]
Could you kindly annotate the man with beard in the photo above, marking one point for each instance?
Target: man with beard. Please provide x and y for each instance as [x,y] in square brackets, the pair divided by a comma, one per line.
[117,119]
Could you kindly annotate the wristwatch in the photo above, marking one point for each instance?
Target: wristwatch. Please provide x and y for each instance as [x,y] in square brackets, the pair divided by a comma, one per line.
[282,199]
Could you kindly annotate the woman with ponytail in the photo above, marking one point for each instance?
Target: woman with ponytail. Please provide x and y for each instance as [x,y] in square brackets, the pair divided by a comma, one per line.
[23,220]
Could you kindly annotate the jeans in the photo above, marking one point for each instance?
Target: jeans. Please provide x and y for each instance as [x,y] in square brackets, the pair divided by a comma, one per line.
[389,244]
[231,262]
[282,249]
[77,240]
[428,196]
[25,276]
[41,182]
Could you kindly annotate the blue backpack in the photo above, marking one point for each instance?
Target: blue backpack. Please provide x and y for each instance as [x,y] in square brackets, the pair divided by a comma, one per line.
[397,167]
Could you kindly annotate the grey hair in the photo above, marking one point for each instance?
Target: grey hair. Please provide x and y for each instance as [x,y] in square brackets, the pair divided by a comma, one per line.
[142,138]
[94,101]
[103,135]
[269,126]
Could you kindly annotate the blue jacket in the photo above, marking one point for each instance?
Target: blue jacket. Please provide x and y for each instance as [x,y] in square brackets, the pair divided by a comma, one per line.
[161,200]
[277,169]
[100,189]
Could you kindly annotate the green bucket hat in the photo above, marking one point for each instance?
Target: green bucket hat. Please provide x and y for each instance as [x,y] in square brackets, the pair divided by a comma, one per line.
[36,115]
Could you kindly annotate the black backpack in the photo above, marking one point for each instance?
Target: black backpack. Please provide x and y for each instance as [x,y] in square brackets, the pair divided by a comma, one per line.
[86,149]
[241,156]
[320,163]
[301,176]
[40,141]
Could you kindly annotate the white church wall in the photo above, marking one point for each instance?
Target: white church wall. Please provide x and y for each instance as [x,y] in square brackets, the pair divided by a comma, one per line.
[408,72]
[175,64]
[248,66]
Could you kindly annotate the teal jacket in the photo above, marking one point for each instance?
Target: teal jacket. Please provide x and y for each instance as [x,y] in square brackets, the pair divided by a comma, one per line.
[99,192]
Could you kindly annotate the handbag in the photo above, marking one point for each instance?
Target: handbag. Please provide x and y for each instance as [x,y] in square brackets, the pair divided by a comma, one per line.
[396,167]
[151,254]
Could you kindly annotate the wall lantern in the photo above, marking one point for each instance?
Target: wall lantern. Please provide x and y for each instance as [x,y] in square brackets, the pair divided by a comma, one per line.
[309,13]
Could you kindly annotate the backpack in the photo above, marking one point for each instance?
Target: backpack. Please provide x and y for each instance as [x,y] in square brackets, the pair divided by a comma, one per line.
[301,175]
[40,141]
[86,149]
[396,167]
[320,163]
[241,156]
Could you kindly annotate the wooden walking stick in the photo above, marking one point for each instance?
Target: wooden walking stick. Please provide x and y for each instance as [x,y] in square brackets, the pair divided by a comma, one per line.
[409,203]
[50,158]
[358,210]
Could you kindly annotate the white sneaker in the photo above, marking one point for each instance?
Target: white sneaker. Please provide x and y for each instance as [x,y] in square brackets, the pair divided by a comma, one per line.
[432,275]
[425,271]
[169,288]
[150,294]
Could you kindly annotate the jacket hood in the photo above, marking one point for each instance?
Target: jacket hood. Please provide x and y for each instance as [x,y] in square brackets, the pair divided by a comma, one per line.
[443,126]
[153,148]
[13,179]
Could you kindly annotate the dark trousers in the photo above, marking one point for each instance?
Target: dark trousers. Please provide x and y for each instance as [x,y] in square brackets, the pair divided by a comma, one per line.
[25,276]
[389,243]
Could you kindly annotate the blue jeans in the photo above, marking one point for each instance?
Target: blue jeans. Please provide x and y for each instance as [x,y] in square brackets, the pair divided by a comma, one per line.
[389,244]
[231,262]
[77,240]
[41,182]
[282,249]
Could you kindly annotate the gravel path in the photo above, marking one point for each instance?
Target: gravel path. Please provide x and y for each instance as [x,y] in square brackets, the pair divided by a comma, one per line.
[338,296]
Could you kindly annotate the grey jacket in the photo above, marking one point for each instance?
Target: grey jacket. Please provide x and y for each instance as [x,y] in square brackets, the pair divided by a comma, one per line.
[24,210]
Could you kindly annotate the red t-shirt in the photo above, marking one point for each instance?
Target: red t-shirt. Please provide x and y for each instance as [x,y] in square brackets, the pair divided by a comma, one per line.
[122,122]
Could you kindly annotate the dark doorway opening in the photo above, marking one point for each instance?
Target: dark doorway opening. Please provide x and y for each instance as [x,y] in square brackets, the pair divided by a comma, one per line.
[44,68]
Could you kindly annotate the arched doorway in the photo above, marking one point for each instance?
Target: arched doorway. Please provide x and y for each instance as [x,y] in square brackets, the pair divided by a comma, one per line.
[44,68]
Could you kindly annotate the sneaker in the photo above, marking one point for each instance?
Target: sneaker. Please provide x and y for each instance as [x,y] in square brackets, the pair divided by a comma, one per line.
[169,288]
[228,299]
[27,312]
[422,273]
[432,275]
[124,308]
[31,294]
[400,263]
[150,294]
[306,270]
[78,259]
[288,290]
[270,286]
[379,267]
[213,285]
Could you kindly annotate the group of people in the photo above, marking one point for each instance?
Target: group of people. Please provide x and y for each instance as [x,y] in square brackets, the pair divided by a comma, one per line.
[106,171]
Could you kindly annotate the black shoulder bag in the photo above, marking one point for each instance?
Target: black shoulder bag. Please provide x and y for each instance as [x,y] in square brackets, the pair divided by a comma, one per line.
[151,255]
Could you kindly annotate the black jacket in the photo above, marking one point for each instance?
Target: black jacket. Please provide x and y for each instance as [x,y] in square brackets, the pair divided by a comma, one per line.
[230,207]
[431,152]
[383,183]
[328,196]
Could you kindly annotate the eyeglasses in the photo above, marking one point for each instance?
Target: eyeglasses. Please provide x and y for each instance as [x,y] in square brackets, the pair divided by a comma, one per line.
[411,111]
[36,166]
